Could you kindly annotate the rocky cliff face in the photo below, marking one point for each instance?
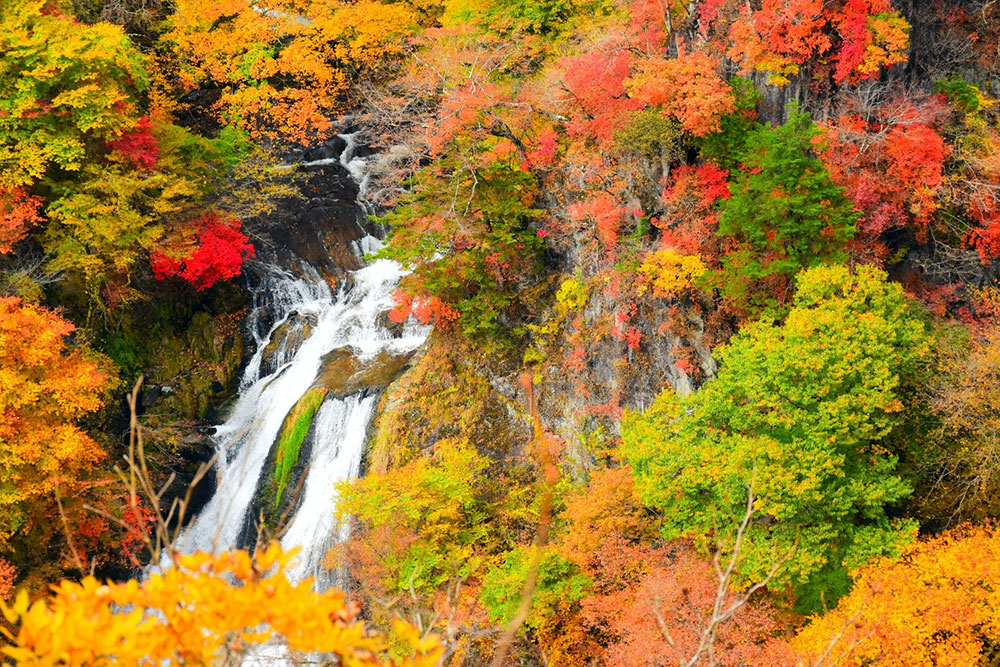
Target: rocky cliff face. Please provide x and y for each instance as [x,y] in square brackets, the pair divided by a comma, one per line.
[319,225]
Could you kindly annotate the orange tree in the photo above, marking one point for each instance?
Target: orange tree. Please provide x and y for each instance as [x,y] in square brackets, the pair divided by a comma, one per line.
[937,604]
[46,387]
[204,610]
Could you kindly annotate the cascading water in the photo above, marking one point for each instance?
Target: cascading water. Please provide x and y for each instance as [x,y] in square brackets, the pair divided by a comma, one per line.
[309,323]
[323,322]
[340,433]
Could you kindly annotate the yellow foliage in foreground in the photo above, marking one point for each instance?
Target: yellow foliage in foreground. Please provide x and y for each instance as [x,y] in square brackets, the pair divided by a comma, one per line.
[207,609]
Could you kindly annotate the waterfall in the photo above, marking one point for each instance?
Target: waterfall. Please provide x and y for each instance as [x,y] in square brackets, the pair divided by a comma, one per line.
[340,434]
[310,322]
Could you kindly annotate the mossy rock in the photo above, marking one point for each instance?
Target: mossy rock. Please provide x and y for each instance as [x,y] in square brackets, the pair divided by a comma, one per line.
[342,373]
[293,433]
[443,395]
[289,335]
[200,367]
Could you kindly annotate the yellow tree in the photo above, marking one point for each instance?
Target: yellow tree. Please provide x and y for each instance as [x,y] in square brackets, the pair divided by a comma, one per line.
[939,604]
[62,85]
[285,71]
[205,610]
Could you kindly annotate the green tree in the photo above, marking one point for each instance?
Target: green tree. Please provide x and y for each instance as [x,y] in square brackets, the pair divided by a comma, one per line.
[468,235]
[784,214]
[559,583]
[537,17]
[797,413]
[419,525]
[62,85]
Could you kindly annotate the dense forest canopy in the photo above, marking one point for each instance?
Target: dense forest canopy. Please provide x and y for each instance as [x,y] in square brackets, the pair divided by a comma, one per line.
[714,376]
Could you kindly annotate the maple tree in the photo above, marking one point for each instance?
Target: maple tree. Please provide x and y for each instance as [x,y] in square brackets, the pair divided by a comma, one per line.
[596,82]
[688,88]
[8,574]
[283,73]
[18,213]
[202,609]
[46,388]
[689,218]
[138,145]
[643,601]
[656,602]
[898,136]
[783,36]
[211,249]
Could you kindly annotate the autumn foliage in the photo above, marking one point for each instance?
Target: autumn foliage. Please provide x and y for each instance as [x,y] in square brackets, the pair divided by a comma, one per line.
[284,73]
[212,249]
[860,36]
[745,251]
[18,213]
[46,388]
[936,604]
[202,609]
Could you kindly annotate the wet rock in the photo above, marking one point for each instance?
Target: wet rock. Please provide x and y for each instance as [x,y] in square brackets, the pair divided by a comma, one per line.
[189,470]
[395,328]
[150,395]
[343,373]
[196,369]
[323,223]
[331,149]
[285,341]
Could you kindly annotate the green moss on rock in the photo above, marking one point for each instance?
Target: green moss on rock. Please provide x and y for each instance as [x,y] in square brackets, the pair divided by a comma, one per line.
[293,433]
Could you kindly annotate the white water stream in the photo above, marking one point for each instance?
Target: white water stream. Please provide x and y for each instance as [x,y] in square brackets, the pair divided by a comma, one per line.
[351,318]
[309,322]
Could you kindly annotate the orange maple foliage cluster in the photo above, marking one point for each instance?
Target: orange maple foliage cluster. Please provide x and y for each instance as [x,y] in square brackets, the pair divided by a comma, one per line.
[46,387]
[649,601]
[8,574]
[687,88]
[18,213]
[285,72]
[203,609]
[938,604]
